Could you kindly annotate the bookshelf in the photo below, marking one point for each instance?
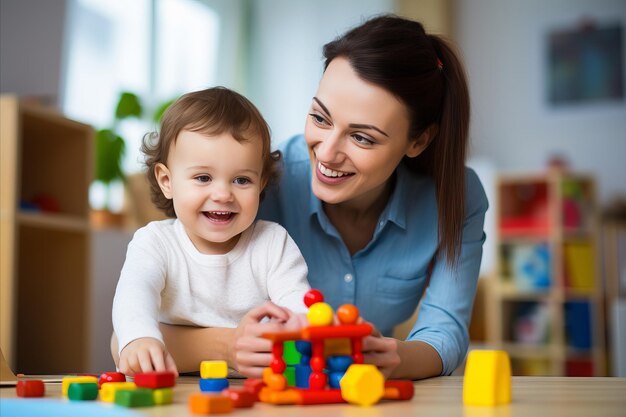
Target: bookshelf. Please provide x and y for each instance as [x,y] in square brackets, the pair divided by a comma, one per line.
[45,234]
[545,302]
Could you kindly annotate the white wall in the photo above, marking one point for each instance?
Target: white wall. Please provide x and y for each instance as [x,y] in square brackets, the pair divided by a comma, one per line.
[31,47]
[512,124]
[285,55]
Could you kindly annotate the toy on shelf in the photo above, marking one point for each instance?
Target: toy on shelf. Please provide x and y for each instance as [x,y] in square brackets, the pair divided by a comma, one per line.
[331,368]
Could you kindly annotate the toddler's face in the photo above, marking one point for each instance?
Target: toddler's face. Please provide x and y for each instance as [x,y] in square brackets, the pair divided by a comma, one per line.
[215,184]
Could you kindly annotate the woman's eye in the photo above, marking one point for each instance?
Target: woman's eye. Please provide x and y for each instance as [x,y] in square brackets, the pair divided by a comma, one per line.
[203,178]
[242,181]
[362,140]
[318,119]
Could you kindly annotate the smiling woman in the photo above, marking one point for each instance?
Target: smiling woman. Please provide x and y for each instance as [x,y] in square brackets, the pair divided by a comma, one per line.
[377,197]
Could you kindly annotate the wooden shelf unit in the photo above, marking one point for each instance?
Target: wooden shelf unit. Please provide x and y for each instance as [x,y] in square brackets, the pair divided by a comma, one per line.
[45,254]
[548,275]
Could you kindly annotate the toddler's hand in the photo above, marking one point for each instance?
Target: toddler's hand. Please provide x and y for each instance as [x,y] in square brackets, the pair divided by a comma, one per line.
[250,353]
[144,355]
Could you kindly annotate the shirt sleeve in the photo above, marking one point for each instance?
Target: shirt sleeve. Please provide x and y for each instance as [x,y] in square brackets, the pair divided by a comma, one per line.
[287,276]
[445,310]
[138,294]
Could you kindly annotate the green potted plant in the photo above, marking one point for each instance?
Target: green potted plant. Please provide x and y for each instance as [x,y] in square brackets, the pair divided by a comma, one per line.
[110,149]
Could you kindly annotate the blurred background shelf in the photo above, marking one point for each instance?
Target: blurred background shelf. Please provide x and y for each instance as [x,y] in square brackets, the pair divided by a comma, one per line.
[46,172]
[545,303]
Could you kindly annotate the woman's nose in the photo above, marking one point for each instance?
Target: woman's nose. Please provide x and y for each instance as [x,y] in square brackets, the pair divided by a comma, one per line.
[329,148]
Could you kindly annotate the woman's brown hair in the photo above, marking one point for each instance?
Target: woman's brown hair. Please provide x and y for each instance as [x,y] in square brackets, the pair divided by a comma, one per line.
[211,112]
[424,72]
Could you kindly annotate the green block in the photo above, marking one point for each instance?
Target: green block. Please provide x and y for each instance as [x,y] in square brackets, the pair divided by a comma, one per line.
[290,354]
[162,396]
[140,397]
[290,374]
[82,391]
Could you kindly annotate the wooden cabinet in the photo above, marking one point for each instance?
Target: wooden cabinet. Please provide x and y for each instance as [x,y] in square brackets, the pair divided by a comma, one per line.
[545,304]
[45,175]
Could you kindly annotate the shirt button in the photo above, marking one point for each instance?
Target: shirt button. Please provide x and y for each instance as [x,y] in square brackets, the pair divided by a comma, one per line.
[348,278]
[381,223]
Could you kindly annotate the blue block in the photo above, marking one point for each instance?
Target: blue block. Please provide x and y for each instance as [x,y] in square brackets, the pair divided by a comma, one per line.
[302,376]
[304,347]
[334,378]
[213,384]
[338,363]
[305,360]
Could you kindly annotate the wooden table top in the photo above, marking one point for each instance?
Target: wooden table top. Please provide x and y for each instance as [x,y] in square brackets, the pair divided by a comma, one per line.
[443,396]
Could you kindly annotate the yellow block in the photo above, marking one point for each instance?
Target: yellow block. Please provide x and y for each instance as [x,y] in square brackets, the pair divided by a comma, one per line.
[487,378]
[162,396]
[213,369]
[75,380]
[108,390]
[362,385]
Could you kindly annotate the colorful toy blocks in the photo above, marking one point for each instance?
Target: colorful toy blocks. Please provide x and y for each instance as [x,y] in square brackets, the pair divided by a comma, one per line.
[162,396]
[487,378]
[241,397]
[200,403]
[82,391]
[330,368]
[139,397]
[155,380]
[213,384]
[362,385]
[109,390]
[30,388]
[111,377]
[75,379]
[213,369]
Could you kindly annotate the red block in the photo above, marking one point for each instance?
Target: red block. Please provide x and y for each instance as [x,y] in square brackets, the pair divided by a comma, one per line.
[242,398]
[254,386]
[111,377]
[325,396]
[32,388]
[155,379]
[399,390]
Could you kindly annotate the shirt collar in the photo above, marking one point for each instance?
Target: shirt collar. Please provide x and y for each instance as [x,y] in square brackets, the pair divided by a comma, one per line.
[395,211]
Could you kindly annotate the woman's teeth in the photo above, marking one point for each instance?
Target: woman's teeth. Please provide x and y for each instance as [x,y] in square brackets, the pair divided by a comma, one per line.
[329,172]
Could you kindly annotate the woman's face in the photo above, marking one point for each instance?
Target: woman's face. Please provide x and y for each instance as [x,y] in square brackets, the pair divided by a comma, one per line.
[357,134]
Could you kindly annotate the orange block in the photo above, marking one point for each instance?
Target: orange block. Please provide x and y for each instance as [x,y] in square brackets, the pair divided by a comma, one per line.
[200,403]
[290,396]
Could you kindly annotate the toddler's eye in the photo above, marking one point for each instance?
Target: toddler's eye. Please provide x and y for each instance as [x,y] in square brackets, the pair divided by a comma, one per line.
[203,178]
[242,181]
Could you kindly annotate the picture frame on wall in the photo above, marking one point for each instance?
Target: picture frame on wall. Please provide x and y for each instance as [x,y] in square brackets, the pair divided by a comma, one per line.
[585,63]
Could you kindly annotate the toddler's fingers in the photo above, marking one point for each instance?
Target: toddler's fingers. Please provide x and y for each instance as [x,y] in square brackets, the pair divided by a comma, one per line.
[157,358]
[170,365]
[251,371]
[267,309]
[145,363]
[123,366]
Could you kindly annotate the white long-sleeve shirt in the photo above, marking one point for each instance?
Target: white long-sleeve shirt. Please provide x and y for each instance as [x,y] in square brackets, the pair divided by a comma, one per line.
[166,279]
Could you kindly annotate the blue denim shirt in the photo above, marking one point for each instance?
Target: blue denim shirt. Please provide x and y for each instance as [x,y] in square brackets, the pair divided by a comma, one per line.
[387,279]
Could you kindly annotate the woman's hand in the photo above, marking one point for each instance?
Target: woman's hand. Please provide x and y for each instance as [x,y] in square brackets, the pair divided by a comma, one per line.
[249,352]
[144,355]
[382,352]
